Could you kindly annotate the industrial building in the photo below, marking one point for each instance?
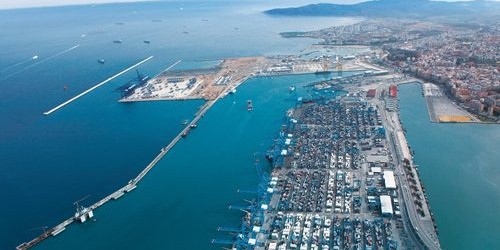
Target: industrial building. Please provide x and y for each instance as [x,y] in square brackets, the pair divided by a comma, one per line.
[371,93]
[389,181]
[386,205]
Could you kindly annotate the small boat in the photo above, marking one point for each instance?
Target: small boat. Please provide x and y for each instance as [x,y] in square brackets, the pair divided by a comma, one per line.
[292,88]
[117,41]
[65,87]
[184,134]
[193,126]
[147,41]
[249,105]
[232,91]
[185,122]
[101,61]
[35,57]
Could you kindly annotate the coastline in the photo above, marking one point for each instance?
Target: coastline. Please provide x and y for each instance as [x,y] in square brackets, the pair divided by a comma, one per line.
[433,115]
[134,182]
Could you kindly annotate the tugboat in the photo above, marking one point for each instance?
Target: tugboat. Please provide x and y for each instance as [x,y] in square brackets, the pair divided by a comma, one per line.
[249,105]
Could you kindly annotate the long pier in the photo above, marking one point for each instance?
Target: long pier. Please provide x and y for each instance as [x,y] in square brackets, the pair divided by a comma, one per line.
[132,184]
[169,67]
[96,86]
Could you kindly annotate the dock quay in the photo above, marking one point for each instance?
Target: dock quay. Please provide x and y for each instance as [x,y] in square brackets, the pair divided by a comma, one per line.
[205,84]
[208,83]
[336,183]
[442,109]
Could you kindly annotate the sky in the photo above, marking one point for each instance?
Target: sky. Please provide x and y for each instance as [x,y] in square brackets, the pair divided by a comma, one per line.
[12,4]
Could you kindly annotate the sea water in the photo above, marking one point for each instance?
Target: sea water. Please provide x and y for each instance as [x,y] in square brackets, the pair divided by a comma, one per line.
[459,166]
[95,145]
[183,200]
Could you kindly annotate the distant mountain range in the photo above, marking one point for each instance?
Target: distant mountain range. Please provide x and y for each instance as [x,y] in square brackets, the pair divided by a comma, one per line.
[397,9]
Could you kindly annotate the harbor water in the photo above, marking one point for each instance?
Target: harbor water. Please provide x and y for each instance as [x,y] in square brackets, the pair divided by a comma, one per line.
[458,164]
[183,200]
[96,145]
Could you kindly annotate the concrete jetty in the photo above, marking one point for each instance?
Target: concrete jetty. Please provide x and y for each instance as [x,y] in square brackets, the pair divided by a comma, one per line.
[96,86]
[132,184]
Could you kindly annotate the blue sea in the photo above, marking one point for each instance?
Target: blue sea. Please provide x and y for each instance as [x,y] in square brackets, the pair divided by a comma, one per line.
[459,166]
[95,145]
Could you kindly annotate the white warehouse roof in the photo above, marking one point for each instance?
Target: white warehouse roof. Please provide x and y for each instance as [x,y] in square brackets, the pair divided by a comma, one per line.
[386,204]
[389,180]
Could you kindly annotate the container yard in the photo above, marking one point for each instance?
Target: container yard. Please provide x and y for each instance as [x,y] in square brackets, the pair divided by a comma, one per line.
[332,184]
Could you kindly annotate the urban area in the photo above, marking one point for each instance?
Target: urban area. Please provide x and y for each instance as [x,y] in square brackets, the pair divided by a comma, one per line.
[463,59]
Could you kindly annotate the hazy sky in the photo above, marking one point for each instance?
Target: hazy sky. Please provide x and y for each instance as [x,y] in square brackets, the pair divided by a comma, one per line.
[9,4]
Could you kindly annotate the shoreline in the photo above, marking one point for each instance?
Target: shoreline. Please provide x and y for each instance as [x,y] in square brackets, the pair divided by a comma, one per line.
[418,221]
[431,115]
[132,184]
[406,171]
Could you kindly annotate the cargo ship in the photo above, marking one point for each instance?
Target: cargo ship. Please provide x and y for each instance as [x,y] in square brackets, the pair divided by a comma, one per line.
[129,88]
